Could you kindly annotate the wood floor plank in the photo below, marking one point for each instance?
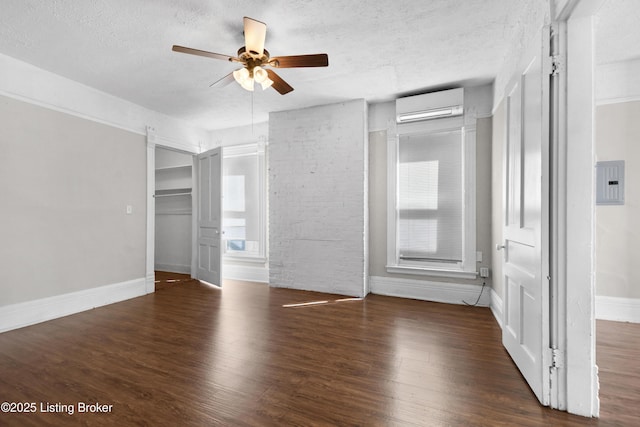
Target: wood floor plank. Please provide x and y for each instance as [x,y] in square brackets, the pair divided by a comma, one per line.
[191,354]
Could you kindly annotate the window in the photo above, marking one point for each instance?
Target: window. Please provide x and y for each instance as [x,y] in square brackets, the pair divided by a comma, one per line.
[432,202]
[243,202]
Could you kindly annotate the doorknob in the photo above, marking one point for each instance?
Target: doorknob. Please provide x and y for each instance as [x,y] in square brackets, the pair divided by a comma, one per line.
[500,247]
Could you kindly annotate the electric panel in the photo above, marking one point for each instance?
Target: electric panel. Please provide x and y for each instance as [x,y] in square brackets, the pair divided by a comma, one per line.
[610,182]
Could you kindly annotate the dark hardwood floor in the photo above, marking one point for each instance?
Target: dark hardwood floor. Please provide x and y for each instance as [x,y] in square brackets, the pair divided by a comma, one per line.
[195,355]
[618,359]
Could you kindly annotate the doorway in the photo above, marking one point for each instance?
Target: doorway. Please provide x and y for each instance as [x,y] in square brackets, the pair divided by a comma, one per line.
[617,108]
[617,242]
[173,211]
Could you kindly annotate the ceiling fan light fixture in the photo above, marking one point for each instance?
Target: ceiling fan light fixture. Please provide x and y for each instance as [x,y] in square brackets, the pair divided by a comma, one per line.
[266,83]
[261,76]
[247,84]
[243,77]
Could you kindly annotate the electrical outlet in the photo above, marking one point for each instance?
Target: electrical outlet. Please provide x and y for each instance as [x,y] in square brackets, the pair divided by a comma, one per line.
[484,272]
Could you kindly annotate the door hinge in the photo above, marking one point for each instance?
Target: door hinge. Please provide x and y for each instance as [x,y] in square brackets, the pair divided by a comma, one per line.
[557,64]
[557,358]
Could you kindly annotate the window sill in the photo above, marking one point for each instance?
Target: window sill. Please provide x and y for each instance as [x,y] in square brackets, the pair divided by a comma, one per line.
[436,272]
[244,258]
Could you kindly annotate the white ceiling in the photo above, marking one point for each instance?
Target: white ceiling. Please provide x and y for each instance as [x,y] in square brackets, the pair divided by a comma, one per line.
[378,49]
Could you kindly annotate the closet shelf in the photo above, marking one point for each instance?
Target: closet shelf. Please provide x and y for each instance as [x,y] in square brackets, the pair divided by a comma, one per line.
[173,192]
[173,168]
[174,212]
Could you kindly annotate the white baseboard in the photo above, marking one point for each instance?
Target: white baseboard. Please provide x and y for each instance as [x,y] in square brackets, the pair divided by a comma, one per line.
[27,313]
[173,268]
[618,309]
[496,307]
[246,273]
[451,293]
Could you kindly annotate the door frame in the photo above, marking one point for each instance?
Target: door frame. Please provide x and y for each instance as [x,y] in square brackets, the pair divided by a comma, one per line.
[154,141]
[573,253]
[572,213]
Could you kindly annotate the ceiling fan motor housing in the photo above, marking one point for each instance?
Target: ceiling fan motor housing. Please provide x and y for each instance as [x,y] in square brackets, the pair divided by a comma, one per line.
[253,59]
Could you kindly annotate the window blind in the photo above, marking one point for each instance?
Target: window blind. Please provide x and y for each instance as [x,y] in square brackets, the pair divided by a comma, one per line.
[240,203]
[430,197]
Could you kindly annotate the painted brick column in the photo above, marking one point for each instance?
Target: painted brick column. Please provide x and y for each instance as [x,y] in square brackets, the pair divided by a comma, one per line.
[318,199]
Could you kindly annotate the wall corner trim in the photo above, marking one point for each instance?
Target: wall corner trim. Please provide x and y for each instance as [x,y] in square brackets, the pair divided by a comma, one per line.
[28,313]
[450,293]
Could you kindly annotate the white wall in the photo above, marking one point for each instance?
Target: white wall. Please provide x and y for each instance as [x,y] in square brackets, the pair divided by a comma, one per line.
[250,134]
[618,82]
[317,198]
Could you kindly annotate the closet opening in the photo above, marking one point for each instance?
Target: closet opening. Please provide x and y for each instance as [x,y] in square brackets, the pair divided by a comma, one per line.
[174,209]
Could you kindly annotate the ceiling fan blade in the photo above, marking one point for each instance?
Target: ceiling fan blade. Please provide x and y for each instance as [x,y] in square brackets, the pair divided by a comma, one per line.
[278,84]
[255,33]
[294,61]
[202,53]
[223,81]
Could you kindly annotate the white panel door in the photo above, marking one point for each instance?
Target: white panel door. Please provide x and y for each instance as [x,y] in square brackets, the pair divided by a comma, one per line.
[209,216]
[525,332]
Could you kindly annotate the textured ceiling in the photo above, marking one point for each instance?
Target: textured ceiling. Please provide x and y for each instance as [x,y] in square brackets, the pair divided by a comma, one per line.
[618,31]
[378,49]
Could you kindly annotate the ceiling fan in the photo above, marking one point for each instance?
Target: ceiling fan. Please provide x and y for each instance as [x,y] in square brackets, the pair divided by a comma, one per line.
[255,58]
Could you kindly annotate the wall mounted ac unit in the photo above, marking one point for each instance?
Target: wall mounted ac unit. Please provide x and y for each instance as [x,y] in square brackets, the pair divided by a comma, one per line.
[446,104]
[436,113]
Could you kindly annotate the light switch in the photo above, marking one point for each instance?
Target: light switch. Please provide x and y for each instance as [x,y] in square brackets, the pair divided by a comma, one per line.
[129,209]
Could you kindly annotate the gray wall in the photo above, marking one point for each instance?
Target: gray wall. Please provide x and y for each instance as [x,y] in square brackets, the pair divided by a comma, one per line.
[617,233]
[378,198]
[65,183]
[317,198]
